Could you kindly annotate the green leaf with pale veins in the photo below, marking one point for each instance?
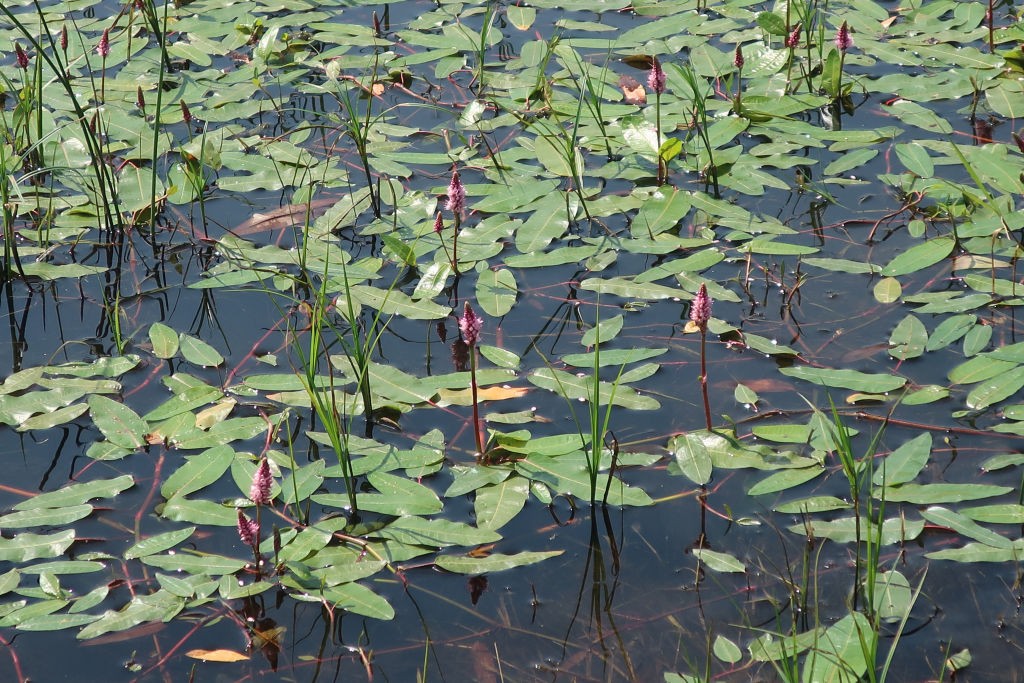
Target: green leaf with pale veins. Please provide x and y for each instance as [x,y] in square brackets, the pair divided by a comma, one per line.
[461,564]
[496,291]
[120,424]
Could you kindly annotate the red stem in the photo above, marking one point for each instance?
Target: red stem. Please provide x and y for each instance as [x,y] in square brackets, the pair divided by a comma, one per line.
[704,377]
[476,407]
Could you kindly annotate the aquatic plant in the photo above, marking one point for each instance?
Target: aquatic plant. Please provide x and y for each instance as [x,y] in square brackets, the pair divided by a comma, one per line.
[470,326]
[236,221]
[700,315]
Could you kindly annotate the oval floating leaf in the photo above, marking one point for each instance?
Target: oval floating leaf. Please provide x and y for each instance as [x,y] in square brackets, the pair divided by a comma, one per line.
[461,564]
[164,340]
[496,291]
[119,423]
[846,379]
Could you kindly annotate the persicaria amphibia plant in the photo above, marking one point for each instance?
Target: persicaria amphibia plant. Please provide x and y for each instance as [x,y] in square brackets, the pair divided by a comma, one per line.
[470,325]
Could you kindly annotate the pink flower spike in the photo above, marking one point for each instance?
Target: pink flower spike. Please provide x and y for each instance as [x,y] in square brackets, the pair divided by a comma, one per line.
[248,530]
[456,194]
[20,56]
[438,223]
[656,77]
[259,492]
[737,59]
[64,38]
[103,49]
[186,114]
[470,325]
[700,309]
[844,41]
[793,39]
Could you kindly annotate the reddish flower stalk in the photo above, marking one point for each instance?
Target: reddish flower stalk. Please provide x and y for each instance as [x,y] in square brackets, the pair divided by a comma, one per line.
[64,40]
[656,82]
[738,62]
[438,229]
[456,204]
[470,325]
[186,113]
[700,314]
[844,41]
[990,21]
[103,49]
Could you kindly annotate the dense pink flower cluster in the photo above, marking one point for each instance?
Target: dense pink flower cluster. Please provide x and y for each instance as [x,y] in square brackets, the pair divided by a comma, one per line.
[656,77]
[470,325]
[248,529]
[700,309]
[262,480]
[103,49]
[456,194]
[793,39]
[21,56]
[844,41]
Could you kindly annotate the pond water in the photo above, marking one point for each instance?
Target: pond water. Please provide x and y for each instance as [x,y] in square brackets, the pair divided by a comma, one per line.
[243,265]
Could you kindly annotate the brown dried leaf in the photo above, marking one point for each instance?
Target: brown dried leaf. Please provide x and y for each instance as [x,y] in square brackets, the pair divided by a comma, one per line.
[644,62]
[633,90]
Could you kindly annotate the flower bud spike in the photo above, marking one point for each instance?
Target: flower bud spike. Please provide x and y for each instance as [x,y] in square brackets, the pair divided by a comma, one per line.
[700,309]
[844,41]
[793,39]
[103,49]
[262,480]
[21,57]
[248,530]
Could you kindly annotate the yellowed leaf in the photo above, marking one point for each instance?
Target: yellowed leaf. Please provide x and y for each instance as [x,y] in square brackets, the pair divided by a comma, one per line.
[217,655]
[464,397]
[968,261]
[215,414]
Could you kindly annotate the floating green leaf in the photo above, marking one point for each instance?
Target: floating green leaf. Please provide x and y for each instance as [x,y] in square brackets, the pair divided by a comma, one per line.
[492,563]
[846,379]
